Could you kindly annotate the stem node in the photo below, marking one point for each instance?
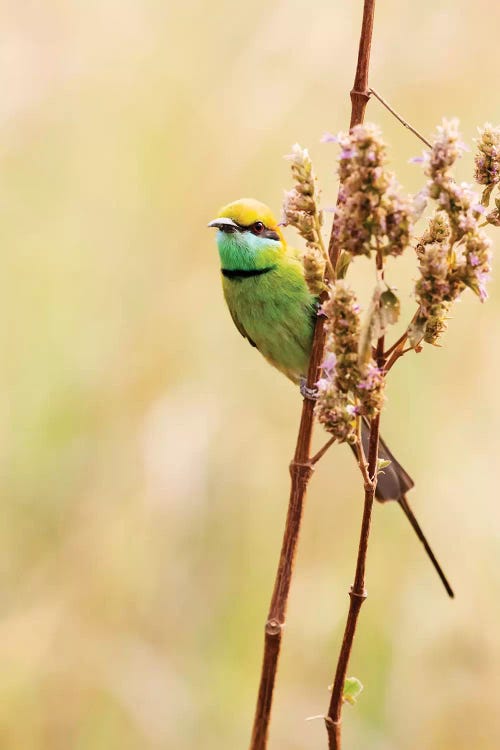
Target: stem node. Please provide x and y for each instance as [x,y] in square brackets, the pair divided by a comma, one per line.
[330,722]
[361,595]
[365,95]
[274,627]
[301,470]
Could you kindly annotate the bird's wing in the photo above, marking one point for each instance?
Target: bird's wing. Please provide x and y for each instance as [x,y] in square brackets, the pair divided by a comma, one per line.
[237,322]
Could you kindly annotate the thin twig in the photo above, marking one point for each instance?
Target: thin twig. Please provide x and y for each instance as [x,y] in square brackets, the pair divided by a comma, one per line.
[399,353]
[301,468]
[360,453]
[398,117]
[357,593]
[322,451]
[401,340]
[357,596]
[330,270]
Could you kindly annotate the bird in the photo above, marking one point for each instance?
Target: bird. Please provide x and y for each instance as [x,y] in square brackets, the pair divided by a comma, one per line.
[271,306]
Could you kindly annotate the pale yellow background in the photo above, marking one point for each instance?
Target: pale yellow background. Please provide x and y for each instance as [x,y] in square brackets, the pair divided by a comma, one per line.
[144,444]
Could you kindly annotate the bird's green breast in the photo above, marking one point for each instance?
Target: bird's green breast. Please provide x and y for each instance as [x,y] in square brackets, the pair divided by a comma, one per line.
[275,310]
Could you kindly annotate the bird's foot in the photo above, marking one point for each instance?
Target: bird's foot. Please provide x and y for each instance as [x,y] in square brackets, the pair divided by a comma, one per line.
[306,392]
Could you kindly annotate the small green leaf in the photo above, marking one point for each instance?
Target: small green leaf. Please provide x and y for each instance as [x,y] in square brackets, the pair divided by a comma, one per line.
[390,308]
[370,330]
[485,199]
[382,464]
[352,689]
[473,285]
[416,331]
[343,264]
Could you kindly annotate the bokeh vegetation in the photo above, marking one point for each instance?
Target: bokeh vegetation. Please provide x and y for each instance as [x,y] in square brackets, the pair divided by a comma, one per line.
[145,444]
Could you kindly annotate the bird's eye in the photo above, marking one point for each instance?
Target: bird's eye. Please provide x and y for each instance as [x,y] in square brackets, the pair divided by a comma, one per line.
[258,227]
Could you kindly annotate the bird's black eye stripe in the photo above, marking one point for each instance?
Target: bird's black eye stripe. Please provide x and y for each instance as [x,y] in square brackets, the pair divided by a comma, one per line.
[258,228]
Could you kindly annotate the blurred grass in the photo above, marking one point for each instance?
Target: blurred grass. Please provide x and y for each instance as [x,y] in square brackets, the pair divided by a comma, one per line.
[145,445]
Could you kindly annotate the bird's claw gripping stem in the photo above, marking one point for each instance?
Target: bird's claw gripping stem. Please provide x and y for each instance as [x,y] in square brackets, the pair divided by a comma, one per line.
[306,392]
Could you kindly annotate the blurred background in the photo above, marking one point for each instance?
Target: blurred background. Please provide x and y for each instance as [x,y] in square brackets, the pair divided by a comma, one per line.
[145,446]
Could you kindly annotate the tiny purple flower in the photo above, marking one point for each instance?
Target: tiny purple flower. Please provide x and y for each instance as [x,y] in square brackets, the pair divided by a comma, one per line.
[329,138]
[419,159]
[323,384]
[328,364]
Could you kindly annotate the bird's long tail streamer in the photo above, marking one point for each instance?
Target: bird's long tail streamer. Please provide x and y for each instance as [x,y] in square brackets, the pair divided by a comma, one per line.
[418,531]
[393,484]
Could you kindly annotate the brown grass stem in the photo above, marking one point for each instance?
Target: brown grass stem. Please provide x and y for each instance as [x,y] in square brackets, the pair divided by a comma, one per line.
[398,117]
[357,592]
[322,451]
[300,467]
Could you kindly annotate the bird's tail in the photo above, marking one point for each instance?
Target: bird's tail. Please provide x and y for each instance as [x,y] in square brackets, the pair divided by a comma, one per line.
[418,531]
[393,484]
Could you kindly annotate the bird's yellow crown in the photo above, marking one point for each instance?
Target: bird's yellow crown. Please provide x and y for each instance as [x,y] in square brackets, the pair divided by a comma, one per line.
[247,211]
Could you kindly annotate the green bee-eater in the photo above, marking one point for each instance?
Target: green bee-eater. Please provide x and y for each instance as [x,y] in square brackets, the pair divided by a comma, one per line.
[272,307]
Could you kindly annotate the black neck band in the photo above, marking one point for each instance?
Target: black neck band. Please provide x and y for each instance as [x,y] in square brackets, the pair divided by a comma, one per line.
[244,273]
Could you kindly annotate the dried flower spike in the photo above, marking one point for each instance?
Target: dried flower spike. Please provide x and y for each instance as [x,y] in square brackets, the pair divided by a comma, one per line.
[487,160]
[371,213]
[454,252]
[301,210]
[459,201]
[493,217]
[447,148]
[349,387]
[436,288]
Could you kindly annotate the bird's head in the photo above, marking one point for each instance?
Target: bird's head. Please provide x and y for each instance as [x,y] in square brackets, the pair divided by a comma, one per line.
[248,235]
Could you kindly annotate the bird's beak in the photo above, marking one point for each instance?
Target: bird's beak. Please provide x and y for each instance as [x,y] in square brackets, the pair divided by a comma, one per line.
[227,225]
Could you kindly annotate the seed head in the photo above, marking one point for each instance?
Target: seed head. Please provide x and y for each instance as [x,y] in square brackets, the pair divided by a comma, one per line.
[487,160]
[371,213]
[301,210]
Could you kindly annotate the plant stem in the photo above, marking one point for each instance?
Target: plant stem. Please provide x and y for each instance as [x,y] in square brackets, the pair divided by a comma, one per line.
[357,596]
[398,117]
[314,460]
[330,270]
[301,470]
[360,93]
[358,592]
[360,453]
[301,467]
[401,341]
[397,353]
